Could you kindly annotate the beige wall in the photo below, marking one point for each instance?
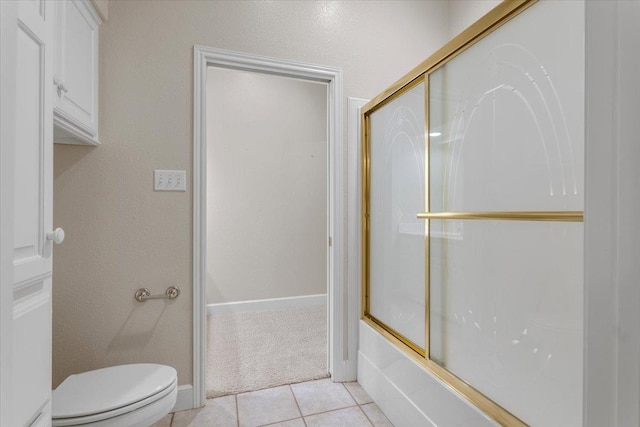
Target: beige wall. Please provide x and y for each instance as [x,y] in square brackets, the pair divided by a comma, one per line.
[266,186]
[121,235]
[102,6]
[463,13]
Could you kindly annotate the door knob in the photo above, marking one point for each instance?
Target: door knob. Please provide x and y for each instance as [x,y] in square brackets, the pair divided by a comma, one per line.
[56,236]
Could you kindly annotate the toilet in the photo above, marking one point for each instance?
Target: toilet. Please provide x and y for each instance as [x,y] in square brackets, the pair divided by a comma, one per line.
[134,395]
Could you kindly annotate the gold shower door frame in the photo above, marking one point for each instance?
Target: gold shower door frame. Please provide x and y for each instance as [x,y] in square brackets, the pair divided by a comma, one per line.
[487,24]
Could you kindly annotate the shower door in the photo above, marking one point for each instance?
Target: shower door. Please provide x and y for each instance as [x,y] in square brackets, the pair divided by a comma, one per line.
[473,196]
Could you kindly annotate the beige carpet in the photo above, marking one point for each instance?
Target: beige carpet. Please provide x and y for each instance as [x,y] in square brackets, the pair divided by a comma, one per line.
[256,350]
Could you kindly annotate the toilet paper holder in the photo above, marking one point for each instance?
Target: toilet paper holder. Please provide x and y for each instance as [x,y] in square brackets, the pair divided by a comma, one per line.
[144,294]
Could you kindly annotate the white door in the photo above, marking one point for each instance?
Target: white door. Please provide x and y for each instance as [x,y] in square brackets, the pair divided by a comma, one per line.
[32,214]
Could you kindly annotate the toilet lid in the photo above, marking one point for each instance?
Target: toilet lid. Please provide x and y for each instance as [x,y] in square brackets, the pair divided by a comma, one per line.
[111,388]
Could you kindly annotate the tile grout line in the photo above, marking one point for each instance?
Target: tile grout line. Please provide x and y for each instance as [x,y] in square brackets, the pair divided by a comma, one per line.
[283,421]
[235,397]
[303,417]
[295,399]
[366,416]
[354,398]
[350,394]
[329,410]
[339,409]
[360,405]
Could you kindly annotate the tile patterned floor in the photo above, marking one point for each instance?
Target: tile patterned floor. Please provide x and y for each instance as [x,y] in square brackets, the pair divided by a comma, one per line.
[319,403]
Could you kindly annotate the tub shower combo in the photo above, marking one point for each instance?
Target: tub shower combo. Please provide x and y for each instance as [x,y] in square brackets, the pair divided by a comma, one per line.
[472,198]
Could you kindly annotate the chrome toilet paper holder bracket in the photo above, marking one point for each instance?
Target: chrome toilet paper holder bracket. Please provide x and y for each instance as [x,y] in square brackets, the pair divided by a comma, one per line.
[144,294]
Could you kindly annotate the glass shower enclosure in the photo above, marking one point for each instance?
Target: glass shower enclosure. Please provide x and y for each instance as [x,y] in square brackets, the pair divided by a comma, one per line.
[473,187]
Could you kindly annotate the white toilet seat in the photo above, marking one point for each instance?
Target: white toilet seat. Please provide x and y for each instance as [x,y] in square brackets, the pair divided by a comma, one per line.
[127,395]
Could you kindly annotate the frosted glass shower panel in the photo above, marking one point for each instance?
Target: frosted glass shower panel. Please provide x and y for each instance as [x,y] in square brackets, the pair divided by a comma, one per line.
[506,126]
[506,117]
[397,193]
[506,314]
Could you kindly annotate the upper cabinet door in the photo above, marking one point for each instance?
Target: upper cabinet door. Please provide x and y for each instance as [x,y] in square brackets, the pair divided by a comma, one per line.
[76,73]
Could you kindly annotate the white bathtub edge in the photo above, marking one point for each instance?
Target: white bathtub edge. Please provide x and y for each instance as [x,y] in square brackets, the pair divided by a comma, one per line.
[407,393]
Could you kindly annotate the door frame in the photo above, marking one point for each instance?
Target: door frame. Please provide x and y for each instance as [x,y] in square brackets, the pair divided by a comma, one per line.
[339,335]
[354,231]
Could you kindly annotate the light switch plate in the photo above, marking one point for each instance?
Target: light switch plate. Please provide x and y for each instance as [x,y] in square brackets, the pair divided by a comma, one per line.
[169,180]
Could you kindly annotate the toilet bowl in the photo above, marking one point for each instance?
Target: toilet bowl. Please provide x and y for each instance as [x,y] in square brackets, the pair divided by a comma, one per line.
[134,395]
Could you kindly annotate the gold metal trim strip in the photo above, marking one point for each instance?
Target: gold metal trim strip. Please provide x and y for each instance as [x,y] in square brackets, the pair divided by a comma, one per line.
[486,405]
[364,208]
[398,93]
[388,331]
[495,18]
[427,207]
[462,388]
[564,216]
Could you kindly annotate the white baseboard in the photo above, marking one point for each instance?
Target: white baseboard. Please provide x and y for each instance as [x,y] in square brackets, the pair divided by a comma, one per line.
[267,304]
[184,400]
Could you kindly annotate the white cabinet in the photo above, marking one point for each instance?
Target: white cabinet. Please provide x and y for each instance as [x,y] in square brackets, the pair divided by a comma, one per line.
[75,78]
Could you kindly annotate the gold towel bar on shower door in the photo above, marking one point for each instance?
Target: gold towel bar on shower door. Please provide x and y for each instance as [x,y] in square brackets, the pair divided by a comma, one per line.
[567,216]
[144,294]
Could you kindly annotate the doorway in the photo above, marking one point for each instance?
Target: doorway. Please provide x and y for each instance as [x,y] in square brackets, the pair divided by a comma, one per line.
[267,230]
[341,361]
